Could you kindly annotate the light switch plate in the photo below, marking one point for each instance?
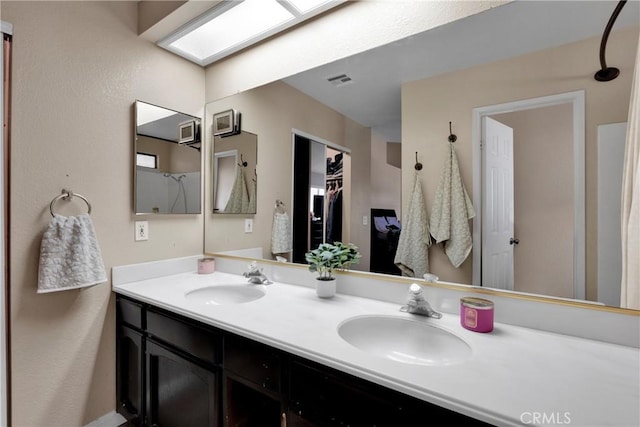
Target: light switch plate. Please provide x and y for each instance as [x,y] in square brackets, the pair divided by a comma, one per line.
[248,225]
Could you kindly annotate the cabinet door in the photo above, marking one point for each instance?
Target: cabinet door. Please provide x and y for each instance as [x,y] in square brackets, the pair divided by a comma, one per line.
[130,378]
[180,393]
[324,397]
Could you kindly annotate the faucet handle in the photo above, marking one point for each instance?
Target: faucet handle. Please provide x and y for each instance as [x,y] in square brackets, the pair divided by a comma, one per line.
[415,289]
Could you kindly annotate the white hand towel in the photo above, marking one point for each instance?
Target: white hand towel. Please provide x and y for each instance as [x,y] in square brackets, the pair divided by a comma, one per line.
[70,257]
[412,254]
[281,234]
[281,241]
[451,212]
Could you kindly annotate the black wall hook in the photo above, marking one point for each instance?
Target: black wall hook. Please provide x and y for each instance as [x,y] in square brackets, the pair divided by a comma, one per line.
[418,164]
[242,162]
[452,137]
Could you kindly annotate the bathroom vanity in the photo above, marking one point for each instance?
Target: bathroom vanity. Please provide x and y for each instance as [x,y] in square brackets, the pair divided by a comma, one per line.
[175,371]
[212,349]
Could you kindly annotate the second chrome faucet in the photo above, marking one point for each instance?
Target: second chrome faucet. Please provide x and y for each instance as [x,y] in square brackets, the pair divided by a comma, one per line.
[417,304]
[256,276]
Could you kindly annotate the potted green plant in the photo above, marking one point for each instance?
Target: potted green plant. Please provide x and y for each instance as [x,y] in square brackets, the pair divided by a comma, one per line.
[328,257]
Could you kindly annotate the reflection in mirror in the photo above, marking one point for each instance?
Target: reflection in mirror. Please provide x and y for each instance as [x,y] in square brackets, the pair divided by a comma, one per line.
[234,173]
[318,181]
[449,91]
[167,161]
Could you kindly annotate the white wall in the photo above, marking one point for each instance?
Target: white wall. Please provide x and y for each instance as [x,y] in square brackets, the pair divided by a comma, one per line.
[78,67]
[333,36]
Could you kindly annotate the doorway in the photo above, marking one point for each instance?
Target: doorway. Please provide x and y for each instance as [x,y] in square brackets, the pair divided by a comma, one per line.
[319,202]
[531,236]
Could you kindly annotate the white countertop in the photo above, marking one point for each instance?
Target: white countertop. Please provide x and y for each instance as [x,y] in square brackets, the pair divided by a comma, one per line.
[516,376]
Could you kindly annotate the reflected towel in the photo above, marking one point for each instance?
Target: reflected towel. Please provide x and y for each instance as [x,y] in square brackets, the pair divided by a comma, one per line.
[70,257]
[281,234]
[412,254]
[239,198]
[253,194]
[451,212]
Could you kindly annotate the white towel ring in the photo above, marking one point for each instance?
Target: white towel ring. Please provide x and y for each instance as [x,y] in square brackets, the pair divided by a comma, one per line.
[67,195]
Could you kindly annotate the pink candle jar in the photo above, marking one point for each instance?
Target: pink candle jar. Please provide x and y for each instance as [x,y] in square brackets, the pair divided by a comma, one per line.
[206,265]
[476,314]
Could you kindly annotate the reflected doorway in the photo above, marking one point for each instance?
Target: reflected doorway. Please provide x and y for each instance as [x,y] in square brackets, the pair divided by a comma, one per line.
[318,197]
[547,165]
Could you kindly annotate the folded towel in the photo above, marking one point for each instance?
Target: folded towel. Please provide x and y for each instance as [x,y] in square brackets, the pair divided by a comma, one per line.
[412,254]
[281,232]
[70,257]
[451,212]
[239,198]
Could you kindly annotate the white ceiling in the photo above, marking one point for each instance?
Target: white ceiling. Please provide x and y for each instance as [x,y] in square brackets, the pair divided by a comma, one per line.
[520,27]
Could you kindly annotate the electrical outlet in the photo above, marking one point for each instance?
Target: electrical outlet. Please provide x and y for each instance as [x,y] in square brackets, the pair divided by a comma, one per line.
[365,220]
[142,230]
[248,225]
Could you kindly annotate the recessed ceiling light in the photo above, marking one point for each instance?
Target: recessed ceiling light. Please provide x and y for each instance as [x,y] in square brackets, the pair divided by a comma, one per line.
[235,24]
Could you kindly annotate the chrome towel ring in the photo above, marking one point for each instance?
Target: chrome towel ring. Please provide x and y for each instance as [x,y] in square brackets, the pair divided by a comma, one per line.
[68,195]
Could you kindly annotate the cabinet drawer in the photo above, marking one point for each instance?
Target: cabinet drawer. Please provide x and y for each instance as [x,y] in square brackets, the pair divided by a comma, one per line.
[129,312]
[185,335]
[253,361]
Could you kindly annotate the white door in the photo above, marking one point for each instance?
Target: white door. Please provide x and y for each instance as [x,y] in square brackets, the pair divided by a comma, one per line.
[498,240]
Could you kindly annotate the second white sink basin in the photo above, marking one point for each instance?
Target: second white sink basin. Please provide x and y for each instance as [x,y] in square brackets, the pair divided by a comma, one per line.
[226,294]
[404,340]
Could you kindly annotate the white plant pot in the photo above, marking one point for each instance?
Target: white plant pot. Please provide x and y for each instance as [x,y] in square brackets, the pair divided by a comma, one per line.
[325,288]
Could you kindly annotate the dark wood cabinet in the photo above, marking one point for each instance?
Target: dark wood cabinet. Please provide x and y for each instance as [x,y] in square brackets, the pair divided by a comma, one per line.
[180,393]
[174,371]
[324,397]
[130,361]
[130,379]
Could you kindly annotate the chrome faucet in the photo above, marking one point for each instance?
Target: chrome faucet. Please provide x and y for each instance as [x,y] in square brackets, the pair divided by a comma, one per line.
[418,305]
[256,276]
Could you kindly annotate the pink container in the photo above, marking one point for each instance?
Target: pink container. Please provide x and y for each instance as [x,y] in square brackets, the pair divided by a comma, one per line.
[206,265]
[476,314]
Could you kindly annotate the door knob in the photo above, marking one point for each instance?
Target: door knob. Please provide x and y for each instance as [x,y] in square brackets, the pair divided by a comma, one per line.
[513,241]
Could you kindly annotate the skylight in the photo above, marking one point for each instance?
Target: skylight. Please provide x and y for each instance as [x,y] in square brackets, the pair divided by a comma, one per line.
[235,24]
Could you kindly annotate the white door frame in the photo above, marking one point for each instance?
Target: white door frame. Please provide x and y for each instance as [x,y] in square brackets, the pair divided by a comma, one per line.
[578,104]
[5,28]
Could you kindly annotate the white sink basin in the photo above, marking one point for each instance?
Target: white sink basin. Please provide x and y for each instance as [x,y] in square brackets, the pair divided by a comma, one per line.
[404,340]
[226,294]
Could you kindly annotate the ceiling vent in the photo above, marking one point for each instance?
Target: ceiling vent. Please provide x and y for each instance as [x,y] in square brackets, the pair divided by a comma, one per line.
[340,80]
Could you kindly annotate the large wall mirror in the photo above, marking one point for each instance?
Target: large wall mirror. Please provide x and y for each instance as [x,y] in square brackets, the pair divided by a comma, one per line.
[409,96]
[168,161]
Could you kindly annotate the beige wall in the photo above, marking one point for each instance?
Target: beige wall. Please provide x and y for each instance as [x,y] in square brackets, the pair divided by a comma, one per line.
[172,157]
[271,112]
[78,67]
[428,106]
[543,199]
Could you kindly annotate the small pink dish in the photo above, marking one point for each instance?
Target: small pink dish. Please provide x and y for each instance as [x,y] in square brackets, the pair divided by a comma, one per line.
[206,265]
